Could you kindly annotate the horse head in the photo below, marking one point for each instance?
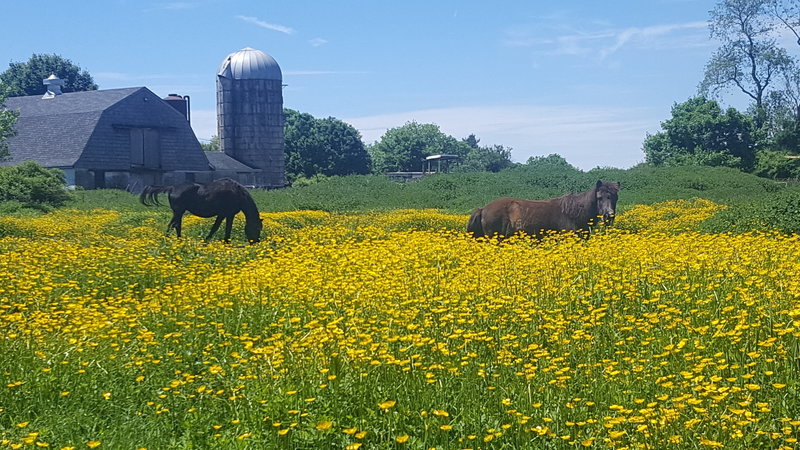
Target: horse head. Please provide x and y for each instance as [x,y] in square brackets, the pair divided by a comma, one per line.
[252,229]
[606,196]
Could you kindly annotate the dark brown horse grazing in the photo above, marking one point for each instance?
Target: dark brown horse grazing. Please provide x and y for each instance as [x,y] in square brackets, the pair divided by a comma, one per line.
[223,198]
[570,212]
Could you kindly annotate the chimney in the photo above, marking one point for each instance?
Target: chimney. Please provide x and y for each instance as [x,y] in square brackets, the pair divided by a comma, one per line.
[181,104]
[53,84]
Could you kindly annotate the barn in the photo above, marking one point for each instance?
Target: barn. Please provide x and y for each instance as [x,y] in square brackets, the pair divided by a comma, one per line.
[128,138]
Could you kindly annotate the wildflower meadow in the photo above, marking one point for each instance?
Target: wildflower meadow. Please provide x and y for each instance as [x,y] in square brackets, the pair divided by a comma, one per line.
[396,330]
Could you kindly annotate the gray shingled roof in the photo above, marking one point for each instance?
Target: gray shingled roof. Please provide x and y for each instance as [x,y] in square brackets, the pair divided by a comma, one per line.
[54,132]
[92,130]
[221,161]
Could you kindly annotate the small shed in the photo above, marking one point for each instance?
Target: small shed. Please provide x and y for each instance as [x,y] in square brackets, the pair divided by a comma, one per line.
[439,163]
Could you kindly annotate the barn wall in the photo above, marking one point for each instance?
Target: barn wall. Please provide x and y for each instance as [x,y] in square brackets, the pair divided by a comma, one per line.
[170,143]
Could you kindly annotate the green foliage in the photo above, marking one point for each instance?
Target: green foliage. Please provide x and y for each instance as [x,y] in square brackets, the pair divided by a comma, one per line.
[484,158]
[777,212]
[25,78]
[776,164]
[551,161]
[404,148]
[303,181]
[461,192]
[32,186]
[212,145]
[700,133]
[7,120]
[322,147]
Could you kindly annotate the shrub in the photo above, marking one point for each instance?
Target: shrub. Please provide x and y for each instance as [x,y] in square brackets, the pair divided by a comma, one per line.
[779,213]
[773,164]
[33,186]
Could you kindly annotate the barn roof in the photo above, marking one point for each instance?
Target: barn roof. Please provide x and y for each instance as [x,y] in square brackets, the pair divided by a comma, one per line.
[222,162]
[93,130]
[54,131]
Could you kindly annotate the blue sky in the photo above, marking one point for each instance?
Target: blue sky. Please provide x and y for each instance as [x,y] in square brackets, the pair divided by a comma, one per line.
[580,78]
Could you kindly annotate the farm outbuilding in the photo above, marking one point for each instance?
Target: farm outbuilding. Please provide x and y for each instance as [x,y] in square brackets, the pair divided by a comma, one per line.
[128,138]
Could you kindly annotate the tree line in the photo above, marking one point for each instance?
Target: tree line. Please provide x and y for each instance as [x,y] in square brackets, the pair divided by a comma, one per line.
[750,62]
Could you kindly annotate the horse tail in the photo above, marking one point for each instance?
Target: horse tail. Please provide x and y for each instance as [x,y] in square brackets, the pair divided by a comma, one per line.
[474,225]
[149,196]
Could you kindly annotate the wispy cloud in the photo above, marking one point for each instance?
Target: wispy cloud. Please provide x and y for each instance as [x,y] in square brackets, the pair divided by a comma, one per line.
[172,6]
[600,41]
[122,76]
[268,26]
[316,42]
[586,137]
[324,72]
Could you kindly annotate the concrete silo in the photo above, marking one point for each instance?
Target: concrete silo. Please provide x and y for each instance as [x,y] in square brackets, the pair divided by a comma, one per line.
[250,113]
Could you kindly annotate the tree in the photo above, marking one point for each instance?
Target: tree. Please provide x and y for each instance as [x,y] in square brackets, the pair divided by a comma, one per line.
[322,147]
[700,133]
[788,13]
[483,158]
[749,58]
[7,120]
[25,78]
[551,161]
[212,145]
[404,148]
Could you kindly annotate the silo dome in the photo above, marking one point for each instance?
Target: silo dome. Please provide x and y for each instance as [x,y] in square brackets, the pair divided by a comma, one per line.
[250,64]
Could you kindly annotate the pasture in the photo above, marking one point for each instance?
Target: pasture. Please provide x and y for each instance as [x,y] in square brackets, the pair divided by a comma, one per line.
[395,329]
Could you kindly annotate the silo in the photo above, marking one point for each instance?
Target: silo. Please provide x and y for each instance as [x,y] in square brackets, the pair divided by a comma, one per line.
[250,113]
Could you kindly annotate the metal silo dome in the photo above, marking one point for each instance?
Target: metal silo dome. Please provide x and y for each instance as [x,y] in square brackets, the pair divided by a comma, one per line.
[250,64]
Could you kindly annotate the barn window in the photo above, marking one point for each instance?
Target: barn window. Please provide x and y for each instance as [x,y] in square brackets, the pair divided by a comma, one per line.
[145,148]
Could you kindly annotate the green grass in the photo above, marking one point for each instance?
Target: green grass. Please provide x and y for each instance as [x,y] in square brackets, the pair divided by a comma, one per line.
[460,193]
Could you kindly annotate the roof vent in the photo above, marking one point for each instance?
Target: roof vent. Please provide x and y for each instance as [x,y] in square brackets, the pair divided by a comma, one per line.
[53,84]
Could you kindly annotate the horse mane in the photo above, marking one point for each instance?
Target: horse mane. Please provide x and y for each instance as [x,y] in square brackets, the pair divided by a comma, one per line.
[575,205]
[250,209]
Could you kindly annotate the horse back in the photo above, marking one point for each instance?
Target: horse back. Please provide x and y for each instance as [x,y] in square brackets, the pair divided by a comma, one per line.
[506,216]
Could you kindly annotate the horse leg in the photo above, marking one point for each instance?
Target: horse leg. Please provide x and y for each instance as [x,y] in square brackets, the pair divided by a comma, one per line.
[228,228]
[175,222]
[214,228]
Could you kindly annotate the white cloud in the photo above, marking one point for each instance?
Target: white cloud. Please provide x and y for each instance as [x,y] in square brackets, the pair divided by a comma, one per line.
[604,42]
[172,6]
[586,137]
[269,26]
[324,72]
[316,42]
[121,76]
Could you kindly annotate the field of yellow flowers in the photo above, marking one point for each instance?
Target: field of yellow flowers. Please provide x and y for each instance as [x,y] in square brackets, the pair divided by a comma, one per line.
[396,330]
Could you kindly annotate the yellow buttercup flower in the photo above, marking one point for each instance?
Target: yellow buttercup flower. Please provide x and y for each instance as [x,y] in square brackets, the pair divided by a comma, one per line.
[388,404]
[324,425]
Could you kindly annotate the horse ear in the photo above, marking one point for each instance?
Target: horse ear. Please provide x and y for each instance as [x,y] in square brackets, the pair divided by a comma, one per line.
[618,185]
[599,183]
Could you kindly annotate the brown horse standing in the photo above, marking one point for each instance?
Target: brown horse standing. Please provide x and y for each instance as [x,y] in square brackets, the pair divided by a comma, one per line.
[223,198]
[570,212]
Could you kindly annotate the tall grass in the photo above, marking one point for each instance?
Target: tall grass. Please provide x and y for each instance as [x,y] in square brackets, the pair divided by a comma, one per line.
[390,330]
[460,193]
